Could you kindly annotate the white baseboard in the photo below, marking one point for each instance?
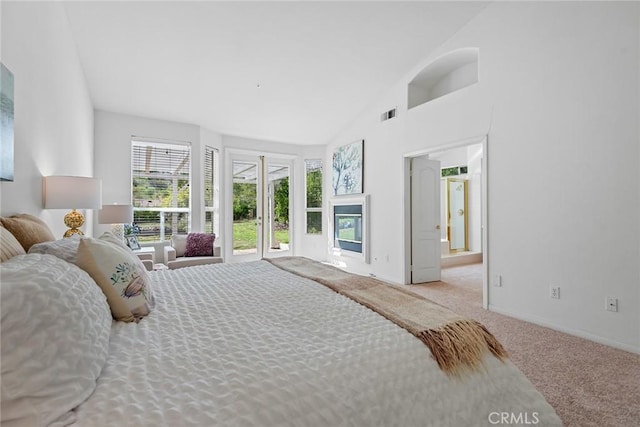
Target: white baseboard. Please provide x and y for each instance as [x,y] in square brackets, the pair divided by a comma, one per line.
[581,334]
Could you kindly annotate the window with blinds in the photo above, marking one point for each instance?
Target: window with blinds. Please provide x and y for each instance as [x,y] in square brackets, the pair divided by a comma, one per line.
[313,189]
[160,189]
[211,191]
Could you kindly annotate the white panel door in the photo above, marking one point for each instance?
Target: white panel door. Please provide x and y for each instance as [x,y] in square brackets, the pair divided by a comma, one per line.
[425,220]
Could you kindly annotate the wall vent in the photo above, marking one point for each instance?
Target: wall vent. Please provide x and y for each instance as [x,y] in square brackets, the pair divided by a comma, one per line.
[388,115]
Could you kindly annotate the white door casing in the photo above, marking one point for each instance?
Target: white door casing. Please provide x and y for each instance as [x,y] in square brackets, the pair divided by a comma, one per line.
[425,220]
[257,170]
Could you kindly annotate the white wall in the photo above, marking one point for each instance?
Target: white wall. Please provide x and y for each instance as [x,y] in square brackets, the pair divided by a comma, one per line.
[457,78]
[474,175]
[53,111]
[558,98]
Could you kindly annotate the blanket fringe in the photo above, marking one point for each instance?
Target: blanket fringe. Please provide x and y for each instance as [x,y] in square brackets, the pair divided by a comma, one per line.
[459,346]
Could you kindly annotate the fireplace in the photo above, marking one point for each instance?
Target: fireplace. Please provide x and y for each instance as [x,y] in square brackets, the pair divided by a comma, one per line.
[350,227]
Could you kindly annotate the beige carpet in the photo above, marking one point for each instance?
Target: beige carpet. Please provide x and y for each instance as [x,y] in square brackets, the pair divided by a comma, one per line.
[588,384]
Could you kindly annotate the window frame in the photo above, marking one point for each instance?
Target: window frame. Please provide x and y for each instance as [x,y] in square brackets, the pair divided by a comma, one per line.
[215,177]
[314,209]
[162,237]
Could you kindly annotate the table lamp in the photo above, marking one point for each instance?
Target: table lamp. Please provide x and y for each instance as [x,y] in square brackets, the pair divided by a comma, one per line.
[72,192]
[117,216]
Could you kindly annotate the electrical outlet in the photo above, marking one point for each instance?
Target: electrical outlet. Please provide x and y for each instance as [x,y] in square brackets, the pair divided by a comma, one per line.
[554,292]
[611,303]
[497,280]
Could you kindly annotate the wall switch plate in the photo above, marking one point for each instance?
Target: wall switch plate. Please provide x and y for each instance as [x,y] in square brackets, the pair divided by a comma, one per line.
[497,280]
[611,304]
[554,292]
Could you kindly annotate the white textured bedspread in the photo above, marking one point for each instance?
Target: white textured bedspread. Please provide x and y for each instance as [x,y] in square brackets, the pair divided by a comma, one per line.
[252,345]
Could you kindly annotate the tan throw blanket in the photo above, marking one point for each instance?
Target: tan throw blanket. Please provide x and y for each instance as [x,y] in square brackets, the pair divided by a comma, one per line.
[458,344]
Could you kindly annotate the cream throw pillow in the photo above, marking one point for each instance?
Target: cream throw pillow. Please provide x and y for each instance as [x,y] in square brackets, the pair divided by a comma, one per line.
[9,245]
[120,275]
[179,243]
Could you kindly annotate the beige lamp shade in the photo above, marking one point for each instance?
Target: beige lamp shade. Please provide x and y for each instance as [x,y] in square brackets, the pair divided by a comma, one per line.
[72,192]
[115,214]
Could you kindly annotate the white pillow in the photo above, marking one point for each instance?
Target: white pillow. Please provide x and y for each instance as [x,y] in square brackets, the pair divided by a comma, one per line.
[179,243]
[55,339]
[65,249]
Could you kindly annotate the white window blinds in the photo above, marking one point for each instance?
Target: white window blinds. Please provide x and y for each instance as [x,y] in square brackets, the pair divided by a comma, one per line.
[211,191]
[161,177]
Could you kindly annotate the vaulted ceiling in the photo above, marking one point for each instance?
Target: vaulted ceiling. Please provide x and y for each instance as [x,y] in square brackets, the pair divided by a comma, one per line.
[295,72]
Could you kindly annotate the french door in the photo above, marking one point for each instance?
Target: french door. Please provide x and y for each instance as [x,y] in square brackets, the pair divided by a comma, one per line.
[261,201]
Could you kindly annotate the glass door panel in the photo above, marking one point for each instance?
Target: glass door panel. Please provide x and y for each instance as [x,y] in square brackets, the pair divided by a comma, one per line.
[277,233]
[246,207]
[261,207]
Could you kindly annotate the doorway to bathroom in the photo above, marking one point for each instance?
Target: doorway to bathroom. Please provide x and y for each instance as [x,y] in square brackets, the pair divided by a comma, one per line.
[460,203]
[457,194]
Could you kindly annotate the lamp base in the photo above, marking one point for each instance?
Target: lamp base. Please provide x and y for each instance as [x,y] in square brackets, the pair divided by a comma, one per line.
[70,232]
[73,220]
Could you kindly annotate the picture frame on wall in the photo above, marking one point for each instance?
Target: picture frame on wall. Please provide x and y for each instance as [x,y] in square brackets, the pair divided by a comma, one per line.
[6,124]
[132,242]
[348,169]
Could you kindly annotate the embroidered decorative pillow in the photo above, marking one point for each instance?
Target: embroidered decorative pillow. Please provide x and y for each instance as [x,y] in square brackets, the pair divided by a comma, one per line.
[120,275]
[199,244]
[27,229]
[9,246]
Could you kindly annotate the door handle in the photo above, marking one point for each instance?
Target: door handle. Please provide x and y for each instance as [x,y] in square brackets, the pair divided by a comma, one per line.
[460,212]
[438,227]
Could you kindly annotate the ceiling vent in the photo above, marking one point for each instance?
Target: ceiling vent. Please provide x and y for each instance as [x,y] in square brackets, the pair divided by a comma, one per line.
[388,115]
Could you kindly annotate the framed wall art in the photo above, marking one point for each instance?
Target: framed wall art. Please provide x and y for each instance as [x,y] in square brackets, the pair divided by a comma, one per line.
[348,169]
[6,124]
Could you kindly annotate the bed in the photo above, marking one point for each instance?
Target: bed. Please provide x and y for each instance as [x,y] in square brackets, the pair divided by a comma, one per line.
[231,345]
